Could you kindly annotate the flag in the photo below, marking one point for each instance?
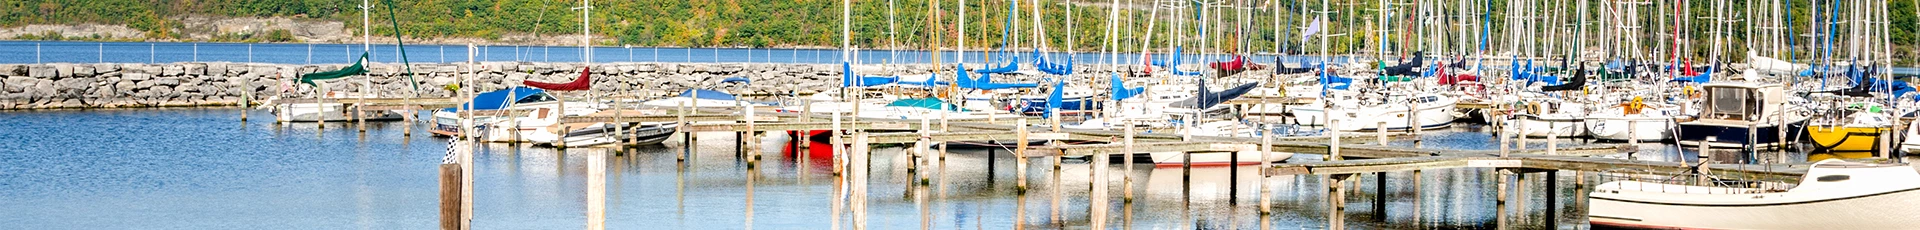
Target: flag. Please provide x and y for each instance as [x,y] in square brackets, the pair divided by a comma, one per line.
[1313,28]
[455,147]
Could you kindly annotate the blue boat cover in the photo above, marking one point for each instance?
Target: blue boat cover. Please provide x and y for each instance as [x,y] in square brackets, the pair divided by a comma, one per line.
[1013,63]
[497,99]
[706,94]
[1120,90]
[1053,98]
[985,82]
[925,103]
[1040,62]
[737,79]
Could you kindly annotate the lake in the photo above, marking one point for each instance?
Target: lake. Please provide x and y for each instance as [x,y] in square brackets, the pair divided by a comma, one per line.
[204,169]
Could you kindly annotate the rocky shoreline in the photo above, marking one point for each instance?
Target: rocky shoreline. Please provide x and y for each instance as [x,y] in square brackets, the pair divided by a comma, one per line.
[134,85]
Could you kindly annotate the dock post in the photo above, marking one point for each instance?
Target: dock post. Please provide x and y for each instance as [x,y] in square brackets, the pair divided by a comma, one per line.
[806,116]
[1333,127]
[1633,135]
[246,97]
[752,142]
[1501,132]
[1336,201]
[686,133]
[943,144]
[1266,151]
[597,190]
[466,184]
[406,132]
[1416,198]
[1520,136]
[1380,196]
[1553,140]
[450,197]
[835,140]
[360,115]
[1127,159]
[1020,156]
[1553,200]
[1380,130]
[1098,214]
[561,143]
[859,181]
[920,149]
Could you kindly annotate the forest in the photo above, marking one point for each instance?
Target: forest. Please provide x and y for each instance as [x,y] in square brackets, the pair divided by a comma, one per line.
[816,23]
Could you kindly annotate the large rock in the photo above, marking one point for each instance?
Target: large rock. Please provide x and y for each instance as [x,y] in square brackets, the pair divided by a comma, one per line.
[167,81]
[195,68]
[106,67]
[73,84]
[14,70]
[137,76]
[83,71]
[42,71]
[172,70]
[218,68]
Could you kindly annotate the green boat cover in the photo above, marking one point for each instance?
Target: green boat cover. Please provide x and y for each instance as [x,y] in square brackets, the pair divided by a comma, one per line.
[926,103]
[358,68]
[1395,78]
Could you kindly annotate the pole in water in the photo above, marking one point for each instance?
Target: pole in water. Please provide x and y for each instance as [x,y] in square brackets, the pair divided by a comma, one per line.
[1020,156]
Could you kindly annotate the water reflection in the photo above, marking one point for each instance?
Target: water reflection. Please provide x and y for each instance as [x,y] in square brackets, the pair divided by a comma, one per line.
[184,168]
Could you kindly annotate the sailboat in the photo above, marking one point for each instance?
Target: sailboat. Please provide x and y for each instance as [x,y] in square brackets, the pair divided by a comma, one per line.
[325,112]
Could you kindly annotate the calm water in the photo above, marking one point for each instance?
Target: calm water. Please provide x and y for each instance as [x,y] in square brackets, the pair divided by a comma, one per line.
[203,169]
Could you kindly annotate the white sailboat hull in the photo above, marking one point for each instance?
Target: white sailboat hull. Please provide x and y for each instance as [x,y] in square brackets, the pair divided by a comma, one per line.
[1633,127]
[1366,119]
[328,112]
[1552,126]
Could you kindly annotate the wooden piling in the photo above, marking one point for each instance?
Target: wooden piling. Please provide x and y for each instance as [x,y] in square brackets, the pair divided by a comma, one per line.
[1127,159]
[1380,196]
[686,133]
[1266,151]
[1633,134]
[859,180]
[1333,150]
[597,190]
[1020,156]
[1380,130]
[450,197]
[1098,205]
[1553,200]
[753,153]
[839,157]
[1336,202]
[1553,140]
[1501,133]
[466,187]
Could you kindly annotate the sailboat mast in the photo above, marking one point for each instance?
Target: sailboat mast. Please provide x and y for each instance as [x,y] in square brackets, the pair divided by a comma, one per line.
[366,43]
[846,28]
[586,33]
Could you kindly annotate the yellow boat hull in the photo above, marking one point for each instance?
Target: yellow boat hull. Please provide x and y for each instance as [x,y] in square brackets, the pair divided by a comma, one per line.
[1841,139]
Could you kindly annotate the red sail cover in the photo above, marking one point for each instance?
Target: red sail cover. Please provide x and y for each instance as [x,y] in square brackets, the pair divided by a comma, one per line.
[582,83]
[1239,63]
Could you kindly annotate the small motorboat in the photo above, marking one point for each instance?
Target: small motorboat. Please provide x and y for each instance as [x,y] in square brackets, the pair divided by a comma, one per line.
[647,133]
[1834,194]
